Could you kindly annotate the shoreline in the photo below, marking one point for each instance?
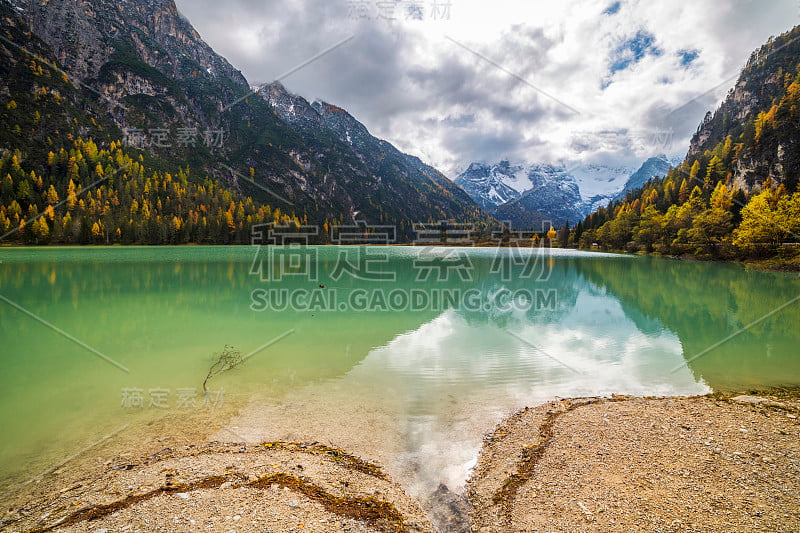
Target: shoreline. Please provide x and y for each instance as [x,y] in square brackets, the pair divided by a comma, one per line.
[771,264]
[593,463]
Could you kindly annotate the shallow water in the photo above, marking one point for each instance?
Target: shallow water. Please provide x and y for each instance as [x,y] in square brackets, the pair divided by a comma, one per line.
[86,332]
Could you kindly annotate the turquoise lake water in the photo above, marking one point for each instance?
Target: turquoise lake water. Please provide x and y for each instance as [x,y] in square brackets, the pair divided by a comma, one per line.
[89,332]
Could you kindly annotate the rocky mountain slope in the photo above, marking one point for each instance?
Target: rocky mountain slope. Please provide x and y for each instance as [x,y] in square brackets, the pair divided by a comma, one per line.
[137,72]
[757,114]
[385,175]
[552,192]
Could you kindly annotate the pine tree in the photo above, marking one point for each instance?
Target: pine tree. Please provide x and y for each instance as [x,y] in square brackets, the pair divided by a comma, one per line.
[7,188]
[40,229]
[695,171]
[712,172]
[97,232]
[51,196]
[24,191]
[722,198]
[71,196]
[683,193]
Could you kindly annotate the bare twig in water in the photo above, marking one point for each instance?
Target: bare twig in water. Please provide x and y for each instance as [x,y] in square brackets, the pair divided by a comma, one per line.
[229,358]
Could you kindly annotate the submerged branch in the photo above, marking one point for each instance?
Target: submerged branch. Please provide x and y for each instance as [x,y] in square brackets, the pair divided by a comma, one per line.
[229,358]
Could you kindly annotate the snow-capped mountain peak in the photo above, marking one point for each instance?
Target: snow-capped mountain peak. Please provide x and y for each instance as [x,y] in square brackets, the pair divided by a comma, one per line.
[491,185]
[512,191]
[554,186]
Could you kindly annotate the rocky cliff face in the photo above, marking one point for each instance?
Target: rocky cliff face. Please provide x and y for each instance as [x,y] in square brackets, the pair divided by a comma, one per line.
[85,35]
[761,85]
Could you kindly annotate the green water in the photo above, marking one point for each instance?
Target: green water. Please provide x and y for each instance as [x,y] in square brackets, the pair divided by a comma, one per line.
[604,324]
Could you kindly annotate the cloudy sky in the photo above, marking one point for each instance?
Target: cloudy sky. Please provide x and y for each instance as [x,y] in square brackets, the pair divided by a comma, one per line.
[457,81]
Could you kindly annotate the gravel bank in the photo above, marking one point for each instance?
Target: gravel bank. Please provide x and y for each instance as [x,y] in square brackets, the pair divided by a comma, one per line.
[637,464]
[276,487]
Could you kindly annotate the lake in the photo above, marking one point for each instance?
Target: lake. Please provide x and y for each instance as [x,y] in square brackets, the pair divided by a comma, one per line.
[417,351]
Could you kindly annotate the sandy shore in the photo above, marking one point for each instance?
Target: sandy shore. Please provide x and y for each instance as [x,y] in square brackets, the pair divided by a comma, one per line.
[595,464]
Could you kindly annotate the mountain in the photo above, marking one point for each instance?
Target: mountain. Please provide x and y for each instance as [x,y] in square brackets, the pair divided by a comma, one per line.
[490,186]
[653,167]
[138,77]
[527,195]
[758,113]
[524,195]
[553,192]
[384,176]
[736,193]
